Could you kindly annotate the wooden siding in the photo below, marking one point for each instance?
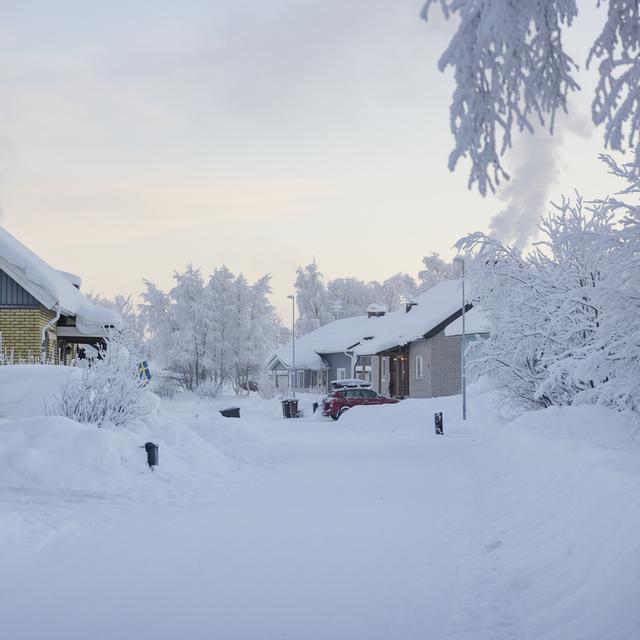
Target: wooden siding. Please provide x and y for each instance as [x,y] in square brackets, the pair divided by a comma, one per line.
[13,295]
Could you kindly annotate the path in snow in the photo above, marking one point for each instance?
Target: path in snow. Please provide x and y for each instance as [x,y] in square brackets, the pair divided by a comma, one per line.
[351,536]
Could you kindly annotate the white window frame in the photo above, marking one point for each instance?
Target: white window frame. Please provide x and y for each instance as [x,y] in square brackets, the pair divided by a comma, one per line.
[419,367]
[341,373]
[300,379]
[384,367]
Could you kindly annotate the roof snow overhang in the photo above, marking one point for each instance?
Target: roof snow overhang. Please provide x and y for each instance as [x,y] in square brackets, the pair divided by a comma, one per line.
[440,326]
[40,294]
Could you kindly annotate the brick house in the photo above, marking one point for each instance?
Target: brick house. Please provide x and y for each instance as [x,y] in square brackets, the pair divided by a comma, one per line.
[43,315]
[412,355]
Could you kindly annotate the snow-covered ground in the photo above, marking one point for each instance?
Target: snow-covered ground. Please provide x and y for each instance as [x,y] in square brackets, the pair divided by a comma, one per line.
[369,527]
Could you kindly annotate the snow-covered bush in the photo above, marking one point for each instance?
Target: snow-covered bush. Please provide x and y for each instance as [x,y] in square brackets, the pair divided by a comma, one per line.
[208,390]
[565,318]
[267,387]
[108,390]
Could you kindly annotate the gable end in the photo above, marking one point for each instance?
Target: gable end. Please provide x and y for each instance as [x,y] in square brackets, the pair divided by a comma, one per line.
[13,295]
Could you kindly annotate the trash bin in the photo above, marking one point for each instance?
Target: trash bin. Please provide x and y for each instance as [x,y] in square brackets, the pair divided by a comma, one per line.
[152,453]
[231,412]
[439,425]
[289,408]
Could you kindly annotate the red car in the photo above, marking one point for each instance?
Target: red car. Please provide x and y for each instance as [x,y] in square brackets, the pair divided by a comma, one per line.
[342,398]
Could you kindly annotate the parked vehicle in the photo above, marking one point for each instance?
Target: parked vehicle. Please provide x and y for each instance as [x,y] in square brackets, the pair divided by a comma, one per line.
[346,395]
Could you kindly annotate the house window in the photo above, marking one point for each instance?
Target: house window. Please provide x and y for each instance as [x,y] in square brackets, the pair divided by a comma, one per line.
[384,368]
[300,379]
[341,373]
[419,367]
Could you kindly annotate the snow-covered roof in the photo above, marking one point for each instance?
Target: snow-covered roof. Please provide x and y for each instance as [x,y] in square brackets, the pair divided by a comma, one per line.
[475,322]
[50,287]
[400,327]
[73,278]
[335,337]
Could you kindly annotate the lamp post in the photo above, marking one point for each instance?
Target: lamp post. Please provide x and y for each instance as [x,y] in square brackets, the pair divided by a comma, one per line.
[463,349]
[293,333]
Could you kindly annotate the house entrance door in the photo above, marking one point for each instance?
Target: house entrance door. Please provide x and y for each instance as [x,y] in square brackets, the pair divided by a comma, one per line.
[399,374]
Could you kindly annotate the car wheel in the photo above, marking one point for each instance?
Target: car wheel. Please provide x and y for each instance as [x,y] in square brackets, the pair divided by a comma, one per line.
[334,416]
[342,411]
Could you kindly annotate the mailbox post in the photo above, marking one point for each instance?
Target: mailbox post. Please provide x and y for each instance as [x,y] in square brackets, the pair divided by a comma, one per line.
[152,454]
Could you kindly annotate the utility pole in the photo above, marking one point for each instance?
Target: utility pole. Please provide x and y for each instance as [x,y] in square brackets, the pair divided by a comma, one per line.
[293,333]
[463,346]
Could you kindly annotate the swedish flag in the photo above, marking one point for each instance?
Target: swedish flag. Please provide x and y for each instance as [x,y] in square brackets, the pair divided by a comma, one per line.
[145,373]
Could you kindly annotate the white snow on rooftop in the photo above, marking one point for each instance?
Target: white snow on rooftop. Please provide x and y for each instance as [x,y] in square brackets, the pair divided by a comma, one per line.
[73,278]
[51,287]
[475,322]
[335,337]
[398,328]
[373,335]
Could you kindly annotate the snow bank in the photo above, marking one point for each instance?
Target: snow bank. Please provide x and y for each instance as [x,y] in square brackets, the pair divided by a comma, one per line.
[46,454]
[557,495]
[563,521]
[31,390]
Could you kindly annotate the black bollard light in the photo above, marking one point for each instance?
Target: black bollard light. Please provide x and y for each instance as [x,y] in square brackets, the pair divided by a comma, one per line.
[439,424]
[152,454]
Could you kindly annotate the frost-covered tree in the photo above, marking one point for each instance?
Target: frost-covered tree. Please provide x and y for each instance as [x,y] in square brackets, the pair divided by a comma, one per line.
[212,333]
[349,297]
[512,71]
[564,318]
[396,290]
[311,298]
[436,270]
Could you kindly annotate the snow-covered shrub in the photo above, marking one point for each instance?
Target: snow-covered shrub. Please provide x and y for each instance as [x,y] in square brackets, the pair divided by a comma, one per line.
[267,387]
[108,390]
[565,318]
[208,390]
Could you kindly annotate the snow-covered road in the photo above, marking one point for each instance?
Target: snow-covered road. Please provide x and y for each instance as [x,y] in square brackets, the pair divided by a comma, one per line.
[349,534]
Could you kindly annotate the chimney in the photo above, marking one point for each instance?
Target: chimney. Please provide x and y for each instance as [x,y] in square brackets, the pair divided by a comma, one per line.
[408,306]
[376,310]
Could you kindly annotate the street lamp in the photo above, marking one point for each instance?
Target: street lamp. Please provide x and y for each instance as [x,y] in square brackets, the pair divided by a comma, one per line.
[293,333]
[463,349]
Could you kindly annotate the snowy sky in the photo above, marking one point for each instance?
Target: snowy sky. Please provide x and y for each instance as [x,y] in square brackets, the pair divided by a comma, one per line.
[138,136]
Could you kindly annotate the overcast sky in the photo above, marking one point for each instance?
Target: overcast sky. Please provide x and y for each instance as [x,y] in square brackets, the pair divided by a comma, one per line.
[136,137]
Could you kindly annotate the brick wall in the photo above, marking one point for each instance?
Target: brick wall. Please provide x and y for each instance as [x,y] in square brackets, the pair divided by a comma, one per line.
[446,365]
[21,333]
[441,367]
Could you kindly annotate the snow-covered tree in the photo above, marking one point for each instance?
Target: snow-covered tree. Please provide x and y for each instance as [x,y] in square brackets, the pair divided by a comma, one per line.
[512,72]
[349,297]
[564,318]
[436,270]
[212,334]
[311,298]
[396,290]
